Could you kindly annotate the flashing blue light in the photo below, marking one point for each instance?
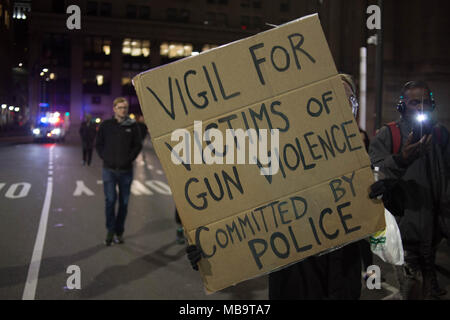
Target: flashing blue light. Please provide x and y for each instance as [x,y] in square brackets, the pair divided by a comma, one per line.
[44,120]
[43,104]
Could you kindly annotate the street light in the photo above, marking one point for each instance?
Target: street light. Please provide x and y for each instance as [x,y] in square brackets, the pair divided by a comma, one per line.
[4,106]
[45,70]
[11,108]
[16,109]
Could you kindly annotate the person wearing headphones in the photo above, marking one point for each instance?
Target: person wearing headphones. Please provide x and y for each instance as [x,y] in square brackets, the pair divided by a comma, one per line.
[413,155]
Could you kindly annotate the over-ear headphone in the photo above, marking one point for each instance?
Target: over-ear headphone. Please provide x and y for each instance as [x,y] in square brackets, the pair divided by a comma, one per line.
[401,106]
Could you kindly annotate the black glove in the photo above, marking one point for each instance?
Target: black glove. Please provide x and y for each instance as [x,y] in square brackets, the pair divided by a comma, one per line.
[392,195]
[382,187]
[194,255]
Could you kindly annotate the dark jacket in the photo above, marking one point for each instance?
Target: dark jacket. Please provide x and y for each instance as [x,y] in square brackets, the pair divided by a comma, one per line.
[143,130]
[118,144]
[88,131]
[424,184]
[332,276]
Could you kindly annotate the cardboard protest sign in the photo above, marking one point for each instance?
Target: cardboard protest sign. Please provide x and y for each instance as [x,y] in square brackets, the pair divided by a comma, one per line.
[316,198]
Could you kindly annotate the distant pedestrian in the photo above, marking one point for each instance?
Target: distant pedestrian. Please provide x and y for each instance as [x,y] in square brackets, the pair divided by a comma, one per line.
[118,145]
[88,131]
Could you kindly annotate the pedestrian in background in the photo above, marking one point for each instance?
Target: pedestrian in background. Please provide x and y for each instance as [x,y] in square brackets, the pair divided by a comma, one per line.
[415,152]
[88,131]
[118,144]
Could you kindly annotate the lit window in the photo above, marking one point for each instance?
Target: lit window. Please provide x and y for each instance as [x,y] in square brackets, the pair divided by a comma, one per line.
[175,50]
[107,50]
[99,78]
[136,47]
[164,49]
[126,81]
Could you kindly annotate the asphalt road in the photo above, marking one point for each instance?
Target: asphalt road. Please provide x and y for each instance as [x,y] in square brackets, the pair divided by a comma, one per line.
[52,213]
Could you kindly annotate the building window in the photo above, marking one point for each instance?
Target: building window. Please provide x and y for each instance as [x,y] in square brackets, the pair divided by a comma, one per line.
[223,1]
[131,11]
[96,83]
[91,8]
[97,53]
[136,54]
[105,9]
[135,47]
[175,50]
[144,12]
[284,5]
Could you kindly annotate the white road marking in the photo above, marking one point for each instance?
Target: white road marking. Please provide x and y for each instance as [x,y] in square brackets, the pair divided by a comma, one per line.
[29,292]
[13,188]
[2,185]
[138,189]
[81,188]
[159,187]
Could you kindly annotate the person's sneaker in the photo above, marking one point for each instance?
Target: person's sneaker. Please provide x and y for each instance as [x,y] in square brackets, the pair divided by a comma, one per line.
[109,238]
[180,236]
[118,239]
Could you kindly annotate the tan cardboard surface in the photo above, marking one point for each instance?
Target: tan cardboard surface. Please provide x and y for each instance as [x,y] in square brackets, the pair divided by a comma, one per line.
[282,238]
[256,187]
[249,224]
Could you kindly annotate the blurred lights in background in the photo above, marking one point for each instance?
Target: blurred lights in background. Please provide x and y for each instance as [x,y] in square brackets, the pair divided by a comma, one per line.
[99,78]
[98,120]
[175,50]
[135,47]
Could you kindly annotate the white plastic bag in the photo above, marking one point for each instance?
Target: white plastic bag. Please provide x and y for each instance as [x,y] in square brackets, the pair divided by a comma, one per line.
[387,244]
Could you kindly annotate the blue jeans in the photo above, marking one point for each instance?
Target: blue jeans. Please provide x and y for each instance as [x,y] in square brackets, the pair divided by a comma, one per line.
[111,179]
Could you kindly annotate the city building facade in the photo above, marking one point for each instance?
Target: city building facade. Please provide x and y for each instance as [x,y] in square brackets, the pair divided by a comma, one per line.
[89,67]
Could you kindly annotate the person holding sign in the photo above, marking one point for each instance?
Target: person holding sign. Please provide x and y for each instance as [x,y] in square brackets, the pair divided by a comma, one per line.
[415,152]
[118,145]
[335,275]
